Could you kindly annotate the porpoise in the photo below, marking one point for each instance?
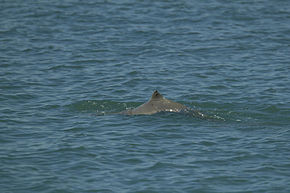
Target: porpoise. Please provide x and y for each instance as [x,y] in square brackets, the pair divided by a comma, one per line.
[156,104]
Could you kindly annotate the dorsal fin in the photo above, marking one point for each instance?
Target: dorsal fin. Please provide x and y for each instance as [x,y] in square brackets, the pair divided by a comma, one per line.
[156,95]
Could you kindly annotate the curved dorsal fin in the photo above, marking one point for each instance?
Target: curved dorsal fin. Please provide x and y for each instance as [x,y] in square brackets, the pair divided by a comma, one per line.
[156,95]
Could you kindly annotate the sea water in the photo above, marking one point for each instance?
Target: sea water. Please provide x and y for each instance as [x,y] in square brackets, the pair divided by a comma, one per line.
[66,68]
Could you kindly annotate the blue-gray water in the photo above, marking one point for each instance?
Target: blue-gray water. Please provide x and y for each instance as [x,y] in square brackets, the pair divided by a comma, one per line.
[65,66]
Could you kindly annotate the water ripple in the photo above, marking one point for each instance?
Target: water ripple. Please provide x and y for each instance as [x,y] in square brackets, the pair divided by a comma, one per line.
[66,68]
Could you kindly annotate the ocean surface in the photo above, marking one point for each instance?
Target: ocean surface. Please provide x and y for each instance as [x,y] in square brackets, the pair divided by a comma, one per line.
[67,67]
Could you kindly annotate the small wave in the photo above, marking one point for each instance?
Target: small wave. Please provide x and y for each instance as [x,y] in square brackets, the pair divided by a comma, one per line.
[105,107]
[100,107]
[203,111]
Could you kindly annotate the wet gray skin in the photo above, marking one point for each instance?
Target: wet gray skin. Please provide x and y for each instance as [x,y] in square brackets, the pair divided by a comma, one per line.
[156,104]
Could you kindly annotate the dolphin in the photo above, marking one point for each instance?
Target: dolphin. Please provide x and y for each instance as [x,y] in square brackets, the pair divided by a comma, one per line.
[156,104]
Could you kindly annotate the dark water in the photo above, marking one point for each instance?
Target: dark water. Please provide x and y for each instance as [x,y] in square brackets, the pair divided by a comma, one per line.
[66,65]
